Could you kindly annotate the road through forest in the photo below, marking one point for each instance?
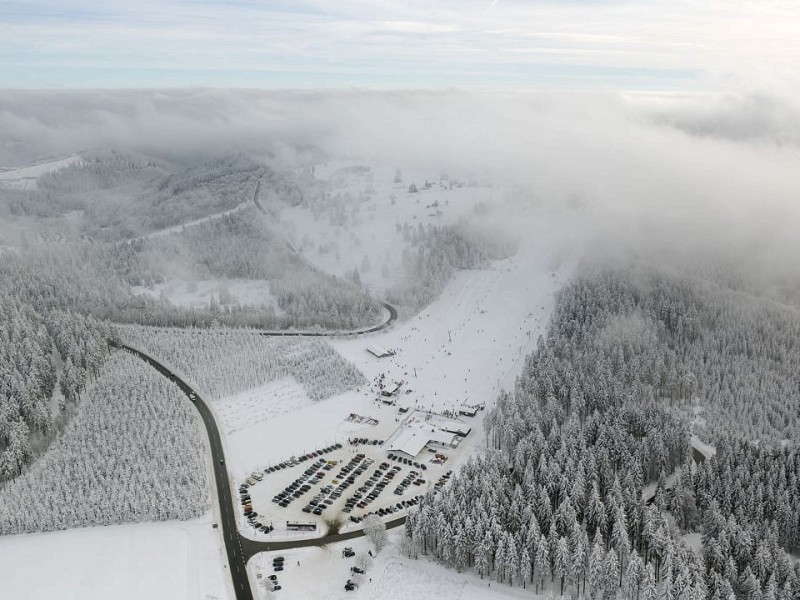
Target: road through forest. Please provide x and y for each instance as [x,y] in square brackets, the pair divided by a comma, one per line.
[239,548]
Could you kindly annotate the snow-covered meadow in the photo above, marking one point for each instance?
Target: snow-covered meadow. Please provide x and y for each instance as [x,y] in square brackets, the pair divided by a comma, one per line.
[465,347]
[171,560]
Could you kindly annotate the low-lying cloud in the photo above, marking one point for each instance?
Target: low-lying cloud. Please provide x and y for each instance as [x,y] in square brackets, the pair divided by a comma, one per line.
[685,177]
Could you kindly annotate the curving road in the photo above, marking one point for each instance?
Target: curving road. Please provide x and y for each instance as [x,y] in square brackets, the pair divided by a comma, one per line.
[392,317]
[238,547]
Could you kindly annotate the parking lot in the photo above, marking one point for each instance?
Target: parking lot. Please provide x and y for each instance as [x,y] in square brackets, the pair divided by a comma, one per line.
[336,485]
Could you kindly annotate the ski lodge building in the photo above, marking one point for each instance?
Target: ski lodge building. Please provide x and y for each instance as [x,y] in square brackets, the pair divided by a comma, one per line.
[422,429]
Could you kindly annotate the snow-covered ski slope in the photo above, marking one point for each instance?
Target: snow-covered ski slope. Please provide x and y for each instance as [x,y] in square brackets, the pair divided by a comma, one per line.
[356,226]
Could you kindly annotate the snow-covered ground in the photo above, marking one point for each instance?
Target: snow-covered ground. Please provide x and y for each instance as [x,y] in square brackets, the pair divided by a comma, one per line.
[252,407]
[173,560]
[25,177]
[323,572]
[198,294]
[471,342]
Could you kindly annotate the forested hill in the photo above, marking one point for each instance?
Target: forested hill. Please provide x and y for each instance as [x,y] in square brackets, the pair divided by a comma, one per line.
[59,292]
[111,195]
[633,360]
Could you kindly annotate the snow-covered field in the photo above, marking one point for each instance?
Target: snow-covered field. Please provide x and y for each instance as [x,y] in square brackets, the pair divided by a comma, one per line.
[323,572]
[25,177]
[173,560]
[244,410]
[199,294]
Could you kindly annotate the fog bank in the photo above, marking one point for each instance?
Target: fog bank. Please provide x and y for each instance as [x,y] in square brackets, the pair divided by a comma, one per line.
[700,176]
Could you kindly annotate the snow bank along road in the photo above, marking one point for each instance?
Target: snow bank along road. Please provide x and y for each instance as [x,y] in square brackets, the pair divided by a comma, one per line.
[239,548]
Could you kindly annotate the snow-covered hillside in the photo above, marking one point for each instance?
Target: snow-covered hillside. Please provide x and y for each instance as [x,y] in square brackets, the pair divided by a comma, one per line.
[25,177]
[205,293]
[355,225]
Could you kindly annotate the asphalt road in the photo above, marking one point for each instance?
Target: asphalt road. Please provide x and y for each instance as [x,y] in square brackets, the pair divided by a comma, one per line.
[392,317]
[239,548]
[233,541]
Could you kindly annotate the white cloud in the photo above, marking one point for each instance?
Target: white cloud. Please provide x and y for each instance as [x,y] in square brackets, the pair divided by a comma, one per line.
[729,43]
[683,175]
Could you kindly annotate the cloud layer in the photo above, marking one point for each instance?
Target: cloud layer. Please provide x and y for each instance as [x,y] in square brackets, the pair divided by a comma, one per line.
[586,44]
[679,176]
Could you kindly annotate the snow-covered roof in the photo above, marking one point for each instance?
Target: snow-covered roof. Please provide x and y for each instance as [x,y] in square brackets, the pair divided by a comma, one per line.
[378,351]
[411,440]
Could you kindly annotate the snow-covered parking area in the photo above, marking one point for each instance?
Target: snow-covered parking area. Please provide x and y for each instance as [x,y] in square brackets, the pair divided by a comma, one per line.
[392,481]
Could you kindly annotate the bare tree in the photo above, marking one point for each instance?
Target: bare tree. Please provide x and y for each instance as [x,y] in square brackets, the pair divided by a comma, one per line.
[375,530]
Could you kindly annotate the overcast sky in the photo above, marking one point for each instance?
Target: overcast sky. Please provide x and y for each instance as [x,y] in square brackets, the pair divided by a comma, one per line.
[693,45]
